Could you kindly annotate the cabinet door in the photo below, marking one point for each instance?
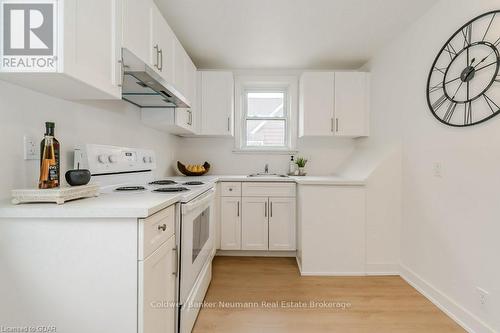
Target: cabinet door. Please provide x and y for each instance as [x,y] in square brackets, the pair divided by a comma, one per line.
[351,106]
[282,224]
[254,226]
[92,51]
[137,28]
[316,104]
[157,284]
[230,223]
[217,103]
[179,67]
[190,77]
[162,46]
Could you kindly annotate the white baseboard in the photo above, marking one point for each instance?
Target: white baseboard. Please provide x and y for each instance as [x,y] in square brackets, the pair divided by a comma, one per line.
[382,269]
[241,253]
[461,316]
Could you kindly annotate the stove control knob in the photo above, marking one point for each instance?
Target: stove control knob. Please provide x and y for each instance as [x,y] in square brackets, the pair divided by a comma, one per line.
[150,159]
[113,158]
[102,159]
[145,159]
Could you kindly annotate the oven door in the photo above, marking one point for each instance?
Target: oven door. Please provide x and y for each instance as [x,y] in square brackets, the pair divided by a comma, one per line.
[197,240]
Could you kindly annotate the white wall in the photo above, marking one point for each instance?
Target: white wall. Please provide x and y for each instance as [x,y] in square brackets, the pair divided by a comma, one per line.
[451,225]
[324,154]
[24,112]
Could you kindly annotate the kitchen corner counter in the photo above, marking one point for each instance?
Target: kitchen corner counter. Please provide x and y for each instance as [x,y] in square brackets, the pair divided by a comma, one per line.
[103,206]
[300,180]
[328,180]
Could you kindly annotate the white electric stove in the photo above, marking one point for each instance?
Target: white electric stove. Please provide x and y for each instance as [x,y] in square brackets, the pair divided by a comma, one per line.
[126,175]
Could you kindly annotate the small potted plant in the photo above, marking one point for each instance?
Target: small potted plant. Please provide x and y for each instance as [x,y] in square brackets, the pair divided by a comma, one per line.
[301,164]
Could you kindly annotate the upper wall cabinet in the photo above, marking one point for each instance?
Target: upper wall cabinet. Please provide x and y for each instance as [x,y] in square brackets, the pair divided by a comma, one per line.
[334,104]
[216,103]
[86,53]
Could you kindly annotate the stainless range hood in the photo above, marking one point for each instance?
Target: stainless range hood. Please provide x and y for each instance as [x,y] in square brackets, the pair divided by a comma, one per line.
[143,87]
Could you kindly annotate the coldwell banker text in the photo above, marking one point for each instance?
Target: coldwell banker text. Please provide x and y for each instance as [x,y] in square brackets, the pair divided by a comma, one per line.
[28,36]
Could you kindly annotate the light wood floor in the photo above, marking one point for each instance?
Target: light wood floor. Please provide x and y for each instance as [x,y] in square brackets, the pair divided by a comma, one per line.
[377,304]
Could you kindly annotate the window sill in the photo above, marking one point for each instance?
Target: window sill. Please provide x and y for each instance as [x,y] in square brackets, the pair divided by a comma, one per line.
[265,151]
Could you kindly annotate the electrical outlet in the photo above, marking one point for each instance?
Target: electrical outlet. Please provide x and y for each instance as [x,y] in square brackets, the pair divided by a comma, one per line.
[483,296]
[31,149]
[437,170]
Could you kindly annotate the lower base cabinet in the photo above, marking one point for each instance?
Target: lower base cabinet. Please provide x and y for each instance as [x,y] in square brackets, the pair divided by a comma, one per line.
[157,284]
[331,230]
[256,221]
[230,216]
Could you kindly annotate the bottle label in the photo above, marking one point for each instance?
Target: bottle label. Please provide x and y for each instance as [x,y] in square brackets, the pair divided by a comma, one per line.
[53,173]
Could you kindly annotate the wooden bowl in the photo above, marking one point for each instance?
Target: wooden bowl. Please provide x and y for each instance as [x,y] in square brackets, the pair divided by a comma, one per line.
[186,172]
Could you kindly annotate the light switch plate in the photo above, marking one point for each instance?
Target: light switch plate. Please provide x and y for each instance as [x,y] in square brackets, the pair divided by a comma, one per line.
[31,149]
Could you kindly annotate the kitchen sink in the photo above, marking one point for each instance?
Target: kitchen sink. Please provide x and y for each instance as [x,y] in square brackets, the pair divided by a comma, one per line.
[269,175]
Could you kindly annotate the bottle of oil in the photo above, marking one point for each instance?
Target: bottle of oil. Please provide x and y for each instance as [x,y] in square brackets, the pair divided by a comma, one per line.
[49,159]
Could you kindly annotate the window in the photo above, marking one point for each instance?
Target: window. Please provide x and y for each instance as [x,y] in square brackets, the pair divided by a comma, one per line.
[265,119]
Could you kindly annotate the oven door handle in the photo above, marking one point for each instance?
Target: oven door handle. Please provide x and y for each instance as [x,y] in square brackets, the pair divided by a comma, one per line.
[201,200]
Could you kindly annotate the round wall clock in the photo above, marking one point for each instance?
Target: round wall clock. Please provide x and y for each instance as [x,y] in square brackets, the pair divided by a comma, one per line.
[463,88]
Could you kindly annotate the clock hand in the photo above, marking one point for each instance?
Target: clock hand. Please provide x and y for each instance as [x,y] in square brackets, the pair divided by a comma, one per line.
[477,70]
[456,92]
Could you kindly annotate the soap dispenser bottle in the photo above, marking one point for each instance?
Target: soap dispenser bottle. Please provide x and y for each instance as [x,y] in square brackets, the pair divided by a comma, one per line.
[291,168]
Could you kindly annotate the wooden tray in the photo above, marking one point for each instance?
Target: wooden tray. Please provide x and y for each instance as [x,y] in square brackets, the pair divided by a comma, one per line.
[57,195]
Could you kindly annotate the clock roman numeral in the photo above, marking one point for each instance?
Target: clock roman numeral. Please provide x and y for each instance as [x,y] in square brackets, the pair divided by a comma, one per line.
[449,112]
[497,42]
[451,51]
[467,34]
[468,113]
[489,26]
[440,70]
[491,103]
[437,87]
[439,103]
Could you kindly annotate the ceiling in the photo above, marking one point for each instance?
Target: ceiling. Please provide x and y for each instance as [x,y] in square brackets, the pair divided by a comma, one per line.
[287,34]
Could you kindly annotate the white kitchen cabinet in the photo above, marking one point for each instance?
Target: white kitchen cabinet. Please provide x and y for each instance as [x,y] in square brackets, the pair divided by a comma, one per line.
[216,103]
[334,104]
[351,104]
[331,225]
[180,58]
[137,28]
[282,224]
[254,226]
[316,103]
[88,54]
[162,46]
[230,223]
[177,121]
[190,74]
[157,284]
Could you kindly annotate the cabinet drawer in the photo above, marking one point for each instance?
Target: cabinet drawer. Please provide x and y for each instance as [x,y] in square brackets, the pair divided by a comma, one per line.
[155,230]
[265,189]
[230,189]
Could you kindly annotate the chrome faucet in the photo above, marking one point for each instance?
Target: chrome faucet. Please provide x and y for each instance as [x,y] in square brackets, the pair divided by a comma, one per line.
[266,168]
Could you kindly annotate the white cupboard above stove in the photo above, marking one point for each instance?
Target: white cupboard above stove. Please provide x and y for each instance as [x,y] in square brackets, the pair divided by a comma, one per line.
[147,35]
[87,52]
[334,104]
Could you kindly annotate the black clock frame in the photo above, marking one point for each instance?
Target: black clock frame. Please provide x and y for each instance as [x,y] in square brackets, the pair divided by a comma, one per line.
[429,88]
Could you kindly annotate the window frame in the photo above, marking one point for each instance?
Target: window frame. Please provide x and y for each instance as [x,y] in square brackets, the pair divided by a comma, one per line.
[245,117]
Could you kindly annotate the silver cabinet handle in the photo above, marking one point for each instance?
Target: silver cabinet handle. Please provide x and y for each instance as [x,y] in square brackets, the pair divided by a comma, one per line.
[265,209]
[190,119]
[271,204]
[156,48]
[336,124]
[238,209]
[162,227]
[229,124]
[160,55]
[331,124]
[120,62]
[175,261]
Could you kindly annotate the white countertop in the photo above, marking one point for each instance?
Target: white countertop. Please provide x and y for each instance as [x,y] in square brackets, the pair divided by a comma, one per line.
[143,204]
